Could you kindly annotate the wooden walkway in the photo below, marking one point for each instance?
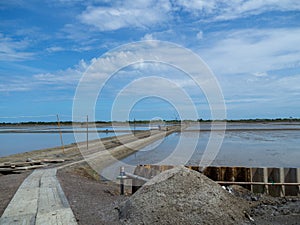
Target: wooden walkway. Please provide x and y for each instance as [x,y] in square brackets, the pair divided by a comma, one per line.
[39,200]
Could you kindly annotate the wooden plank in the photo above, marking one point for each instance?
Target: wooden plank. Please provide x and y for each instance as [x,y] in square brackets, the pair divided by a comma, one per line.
[23,206]
[290,176]
[10,170]
[53,207]
[57,217]
[31,163]
[17,220]
[53,160]
[21,165]
[39,200]
[5,165]
[281,179]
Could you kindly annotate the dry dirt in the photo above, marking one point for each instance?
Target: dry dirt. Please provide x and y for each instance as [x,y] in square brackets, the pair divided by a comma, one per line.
[93,202]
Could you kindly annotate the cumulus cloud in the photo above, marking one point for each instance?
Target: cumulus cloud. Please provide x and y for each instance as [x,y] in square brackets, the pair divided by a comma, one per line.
[138,14]
[142,14]
[148,37]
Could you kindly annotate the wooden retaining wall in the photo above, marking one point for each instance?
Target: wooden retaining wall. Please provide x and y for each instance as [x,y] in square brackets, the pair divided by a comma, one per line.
[273,181]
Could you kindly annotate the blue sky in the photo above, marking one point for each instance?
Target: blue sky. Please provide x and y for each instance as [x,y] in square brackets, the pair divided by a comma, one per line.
[253,48]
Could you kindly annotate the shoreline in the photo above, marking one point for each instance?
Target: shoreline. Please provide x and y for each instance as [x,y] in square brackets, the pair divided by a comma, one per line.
[58,149]
[114,145]
[147,123]
[73,151]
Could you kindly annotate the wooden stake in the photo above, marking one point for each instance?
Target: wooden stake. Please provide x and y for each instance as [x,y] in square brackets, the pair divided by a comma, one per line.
[60,134]
[298,180]
[87,132]
[266,178]
[281,180]
[251,178]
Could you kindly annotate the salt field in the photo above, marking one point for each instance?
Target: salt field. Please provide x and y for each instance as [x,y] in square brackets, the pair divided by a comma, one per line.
[250,145]
[21,139]
[272,145]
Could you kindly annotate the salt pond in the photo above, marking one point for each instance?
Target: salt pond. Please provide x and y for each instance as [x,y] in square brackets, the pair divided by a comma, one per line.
[21,139]
[270,145]
[277,147]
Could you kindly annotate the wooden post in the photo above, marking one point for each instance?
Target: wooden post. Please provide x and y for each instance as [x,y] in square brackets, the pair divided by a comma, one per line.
[87,132]
[60,134]
[298,180]
[281,180]
[266,176]
[122,176]
[251,179]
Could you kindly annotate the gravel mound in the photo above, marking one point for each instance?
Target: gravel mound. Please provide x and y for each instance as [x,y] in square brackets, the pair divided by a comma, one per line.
[182,196]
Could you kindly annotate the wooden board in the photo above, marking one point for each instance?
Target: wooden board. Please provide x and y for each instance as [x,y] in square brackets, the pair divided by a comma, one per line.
[39,200]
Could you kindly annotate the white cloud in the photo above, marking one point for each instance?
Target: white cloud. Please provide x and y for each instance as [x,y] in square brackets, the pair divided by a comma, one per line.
[196,6]
[13,50]
[288,84]
[199,35]
[148,37]
[260,74]
[15,84]
[153,86]
[165,35]
[258,6]
[14,3]
[231,9]
[272,95]
[54,49]
[138,14]
[253,50]
[152,15]
[62,79]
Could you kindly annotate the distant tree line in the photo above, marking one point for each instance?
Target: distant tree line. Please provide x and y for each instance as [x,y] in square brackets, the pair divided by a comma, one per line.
[32,123]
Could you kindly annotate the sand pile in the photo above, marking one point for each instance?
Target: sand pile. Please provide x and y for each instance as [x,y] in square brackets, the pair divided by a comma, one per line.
[182,196]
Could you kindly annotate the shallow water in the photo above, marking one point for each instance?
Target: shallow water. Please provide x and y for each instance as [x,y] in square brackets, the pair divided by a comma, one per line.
[270,145]
[256,148]
[70,128]
[248,126]
[12,143]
